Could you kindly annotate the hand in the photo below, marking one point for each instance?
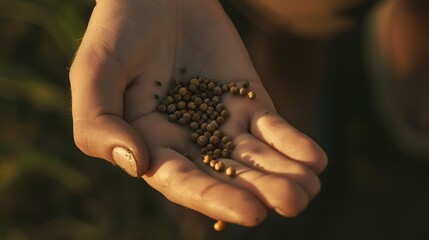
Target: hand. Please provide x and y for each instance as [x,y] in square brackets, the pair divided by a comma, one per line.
[132,44]
[311,18]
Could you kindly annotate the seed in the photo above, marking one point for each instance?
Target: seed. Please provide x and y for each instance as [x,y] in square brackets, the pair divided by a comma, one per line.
[246,84]
[202,140]
[186,98]
[220,120]
[182,91]
[242,91]
[206,159]
[232,84]
[171,108]
[193,125]
[187,116]
[162,108]
[217,91]
[177,97]
[182,121]
[219,225]
[210,147]
[213,163]
[218,134]
[225,87]
[215,100]
[202,86]
[207,134]
[192,89]
[194,136]
[198,101]
[181,105]
[172,117]
[217,152]
[226,139]
[219,166]
[230,171]
[203,107]
[210,127]
[220,107]
[203,95]
[233,90]
[204,150]
[199,131]
[192,105]
[194,81]
[224,113]
[251,95]
[214,140]
[170,99]
[196,117]
[229,145]
[226,153]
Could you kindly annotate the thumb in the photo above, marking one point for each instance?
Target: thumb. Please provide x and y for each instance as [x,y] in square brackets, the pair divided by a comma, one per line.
[98,84]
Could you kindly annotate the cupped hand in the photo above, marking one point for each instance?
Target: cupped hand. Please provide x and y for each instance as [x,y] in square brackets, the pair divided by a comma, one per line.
[131,52]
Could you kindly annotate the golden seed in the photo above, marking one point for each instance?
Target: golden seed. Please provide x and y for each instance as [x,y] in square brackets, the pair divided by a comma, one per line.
[242,91]
[233,90]
[211,85]
[251,95]
[213,163]
[230,171]
[194,81]
[232,84]
[187,116]
[207,135]
[210,127]
[219,166]
[226,139]
[218,133]
[219,225]
[206,159]
[192,105]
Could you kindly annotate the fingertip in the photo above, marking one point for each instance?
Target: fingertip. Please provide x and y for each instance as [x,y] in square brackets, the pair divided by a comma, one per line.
[133,164]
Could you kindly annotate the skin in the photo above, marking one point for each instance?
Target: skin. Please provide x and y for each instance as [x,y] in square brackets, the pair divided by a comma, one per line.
[128,46]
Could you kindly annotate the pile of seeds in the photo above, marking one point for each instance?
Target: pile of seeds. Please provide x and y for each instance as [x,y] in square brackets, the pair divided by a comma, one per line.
[197,104]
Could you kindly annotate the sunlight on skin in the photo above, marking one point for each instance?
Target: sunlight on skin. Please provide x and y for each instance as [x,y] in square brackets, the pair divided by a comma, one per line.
[130,46]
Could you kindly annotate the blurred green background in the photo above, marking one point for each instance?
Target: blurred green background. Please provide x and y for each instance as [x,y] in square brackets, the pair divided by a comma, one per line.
[50,190]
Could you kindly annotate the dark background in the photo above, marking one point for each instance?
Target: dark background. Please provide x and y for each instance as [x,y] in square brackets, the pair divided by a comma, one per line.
[373,188]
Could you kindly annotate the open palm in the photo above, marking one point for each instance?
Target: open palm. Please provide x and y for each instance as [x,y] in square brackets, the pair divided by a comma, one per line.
[132,51]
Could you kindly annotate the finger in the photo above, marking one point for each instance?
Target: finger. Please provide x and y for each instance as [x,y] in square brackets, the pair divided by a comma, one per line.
[254,154]
[98,83]
[182,182]
[276,192]
[277,133]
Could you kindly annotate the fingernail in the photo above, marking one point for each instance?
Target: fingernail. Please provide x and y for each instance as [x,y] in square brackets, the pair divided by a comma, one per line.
[125,159]
[279,211]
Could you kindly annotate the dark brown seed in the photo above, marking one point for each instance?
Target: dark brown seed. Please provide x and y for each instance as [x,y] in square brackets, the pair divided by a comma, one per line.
[246,84]
[229,145]
[203,107]
[225,87]
[181,105]
[202,141]
[210,111]
[199,131]
[217,152]
[219,166]
[211,85]
[218,134]
[226,139]
[177,98]
[203,95]
[204,150]
[226,153]
[194,81]
[192,105]
[232,84]
[230,171]
[186,98]
[220,120]
[196,117]
[182,121]
[202,86]
[193,125]
[170,99]
[220,107]
[225,113]
[171,108]
[210,147]
[194,136]
[215,99]
[233,90]
[172,117]
[192,89]
[187,116]
[217,91]
[162,108]
[198,101]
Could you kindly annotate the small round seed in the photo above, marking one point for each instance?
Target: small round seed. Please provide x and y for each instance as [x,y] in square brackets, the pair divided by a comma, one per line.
[182,121]
[230,171]
[172,117]
[182,91]
[194,136]
[233,90]
[232,84]
[194,81]
[219,226]
[196,117]
[219,166]
[220,120]
[203,107]
[187,116]
[225,87]
[181,105]
[242,91]
[251,95]
[217,91]
[162,108]
[204,150]
[193,125]
[218,134]
[226,153]
[213,163]
[202,86]
[170,99]
[226,139]
[202,140]
[210,147]
[220,107]
[224,113]
[192,105]
[207,135]
[186,98]
[206,159]
[229,145]
[211,127]
[246,84]
[198,100]
[214,140]
[217,152]
[171,108]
